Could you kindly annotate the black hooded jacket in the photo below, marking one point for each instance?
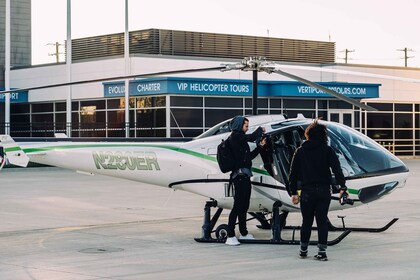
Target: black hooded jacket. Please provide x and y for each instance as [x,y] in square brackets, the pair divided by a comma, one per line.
[239,143]
[311,165]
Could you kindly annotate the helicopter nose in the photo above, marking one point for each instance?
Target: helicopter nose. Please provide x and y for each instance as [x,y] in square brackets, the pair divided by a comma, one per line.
[372,193]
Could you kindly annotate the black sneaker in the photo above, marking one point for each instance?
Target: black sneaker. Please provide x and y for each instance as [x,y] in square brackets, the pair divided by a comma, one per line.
[303,254]
[321,257]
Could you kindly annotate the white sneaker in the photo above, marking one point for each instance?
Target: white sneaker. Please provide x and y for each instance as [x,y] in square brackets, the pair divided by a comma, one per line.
[246,237]
[232,241]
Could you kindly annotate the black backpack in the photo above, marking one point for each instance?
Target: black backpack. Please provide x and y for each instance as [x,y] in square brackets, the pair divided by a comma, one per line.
[225,157]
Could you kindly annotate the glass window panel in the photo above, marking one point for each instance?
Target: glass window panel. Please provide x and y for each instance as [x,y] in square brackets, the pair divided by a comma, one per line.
[262,102]
[186,101]
[293,113]
[406,153]
[75,106]
[160,101]
[275,112]
[215,116]
[60,118]
[379,120]
[20,119]
[417,107]
[382,106]
[403,120]
[275,103]
[336,104]
[380,134]
[132,118]
[298,104]
[417,120]
[404,107]
[322,104]
[403,134]
[19,108]
[116,103]
[99,104]
[187,118]
[334,117]
[248,102]
[144,102]
[60,107]
[92,117]
[356,119]
[42,107]
[39,118]
[323,115]
[224,102]
[116,118]
[151,118]
[347,118]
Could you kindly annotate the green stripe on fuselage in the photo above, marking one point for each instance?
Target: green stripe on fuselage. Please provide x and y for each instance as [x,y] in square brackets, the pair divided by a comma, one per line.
[12,149]
[172,148]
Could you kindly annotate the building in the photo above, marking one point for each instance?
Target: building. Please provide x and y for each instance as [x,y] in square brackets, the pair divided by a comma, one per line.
[20,37]
[187,104]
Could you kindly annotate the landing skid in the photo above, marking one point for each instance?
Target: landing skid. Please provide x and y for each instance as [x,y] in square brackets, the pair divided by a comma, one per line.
[276,226]
[332,227]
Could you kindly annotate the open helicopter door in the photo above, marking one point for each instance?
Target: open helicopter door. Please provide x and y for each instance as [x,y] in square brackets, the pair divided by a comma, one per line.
[278,155]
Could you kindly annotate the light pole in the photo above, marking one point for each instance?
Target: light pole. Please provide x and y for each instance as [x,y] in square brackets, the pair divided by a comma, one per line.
[7,71]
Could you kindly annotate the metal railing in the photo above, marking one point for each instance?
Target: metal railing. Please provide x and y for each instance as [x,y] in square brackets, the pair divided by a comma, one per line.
[48,129]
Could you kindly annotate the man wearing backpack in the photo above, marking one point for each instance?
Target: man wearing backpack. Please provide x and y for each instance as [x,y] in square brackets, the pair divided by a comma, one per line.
[241,175]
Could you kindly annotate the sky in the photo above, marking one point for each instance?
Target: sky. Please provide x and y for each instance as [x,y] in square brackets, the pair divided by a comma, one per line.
[373,29]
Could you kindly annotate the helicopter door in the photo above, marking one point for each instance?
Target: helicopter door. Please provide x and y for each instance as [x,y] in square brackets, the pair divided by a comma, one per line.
[341,116]
[284,145]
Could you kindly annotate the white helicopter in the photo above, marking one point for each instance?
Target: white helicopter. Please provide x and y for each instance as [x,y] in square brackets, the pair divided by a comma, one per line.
[371,171]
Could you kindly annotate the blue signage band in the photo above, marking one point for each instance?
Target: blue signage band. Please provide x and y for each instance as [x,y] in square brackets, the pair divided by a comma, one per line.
[221,87]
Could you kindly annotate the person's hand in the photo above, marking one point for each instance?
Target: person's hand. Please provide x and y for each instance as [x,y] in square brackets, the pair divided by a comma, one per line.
[263,142]
[295,199]
[341,193]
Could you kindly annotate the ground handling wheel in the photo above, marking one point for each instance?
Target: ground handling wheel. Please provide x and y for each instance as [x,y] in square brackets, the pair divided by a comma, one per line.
[222,232]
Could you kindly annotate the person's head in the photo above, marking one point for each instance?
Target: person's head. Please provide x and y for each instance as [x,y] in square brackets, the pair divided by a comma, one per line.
[316,132]
[239,123]
[245,125]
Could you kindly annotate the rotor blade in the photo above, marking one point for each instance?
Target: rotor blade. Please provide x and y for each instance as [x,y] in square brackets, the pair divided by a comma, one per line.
[327,90]
[117,78]
[346,72]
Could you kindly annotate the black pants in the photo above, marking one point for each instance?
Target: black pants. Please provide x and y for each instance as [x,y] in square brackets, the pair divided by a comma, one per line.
[241,198]
[315,203]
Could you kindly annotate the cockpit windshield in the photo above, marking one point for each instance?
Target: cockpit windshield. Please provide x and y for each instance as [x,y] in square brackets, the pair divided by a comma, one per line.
[358,154]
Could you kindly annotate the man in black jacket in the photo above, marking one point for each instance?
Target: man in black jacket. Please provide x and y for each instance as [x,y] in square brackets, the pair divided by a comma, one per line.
[241,175]
[311,165]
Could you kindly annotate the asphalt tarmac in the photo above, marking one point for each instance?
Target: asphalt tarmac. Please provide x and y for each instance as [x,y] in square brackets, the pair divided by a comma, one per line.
[57,224]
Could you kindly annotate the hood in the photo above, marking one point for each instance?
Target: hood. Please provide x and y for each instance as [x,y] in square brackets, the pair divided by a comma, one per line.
[237,123]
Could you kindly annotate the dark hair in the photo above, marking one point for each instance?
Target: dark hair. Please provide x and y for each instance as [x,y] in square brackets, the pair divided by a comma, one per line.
[246,120]
[317,132]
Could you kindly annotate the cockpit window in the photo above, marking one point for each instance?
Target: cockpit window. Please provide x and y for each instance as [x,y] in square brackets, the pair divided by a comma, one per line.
[357,153]
[218,129]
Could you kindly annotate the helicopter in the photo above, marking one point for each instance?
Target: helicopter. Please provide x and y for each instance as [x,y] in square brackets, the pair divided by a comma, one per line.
[371,171]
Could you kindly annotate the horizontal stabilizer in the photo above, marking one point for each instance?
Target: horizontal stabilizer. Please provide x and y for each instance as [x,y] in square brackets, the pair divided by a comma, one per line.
[14,154]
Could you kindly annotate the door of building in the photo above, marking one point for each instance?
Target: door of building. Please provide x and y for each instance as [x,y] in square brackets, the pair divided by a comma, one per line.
[341,116]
